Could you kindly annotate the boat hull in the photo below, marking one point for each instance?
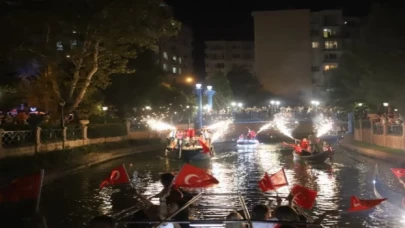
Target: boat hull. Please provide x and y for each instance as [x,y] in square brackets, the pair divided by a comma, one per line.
[247,142]
[189,154]
[394,199]
[321,157]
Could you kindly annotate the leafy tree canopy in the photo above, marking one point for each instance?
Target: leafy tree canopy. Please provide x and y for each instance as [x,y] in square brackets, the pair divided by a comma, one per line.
[220,84]
[76,45]
[373,72]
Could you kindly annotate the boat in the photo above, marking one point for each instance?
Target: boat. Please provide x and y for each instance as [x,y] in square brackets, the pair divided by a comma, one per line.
[202,214]
[394,199]
[247,142]
[319,157]
[189,152]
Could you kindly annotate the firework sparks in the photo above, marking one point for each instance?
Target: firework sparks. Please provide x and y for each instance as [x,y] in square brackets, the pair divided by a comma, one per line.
[281,122]
[159,125]
[323,125]
[266,127]
[219,129]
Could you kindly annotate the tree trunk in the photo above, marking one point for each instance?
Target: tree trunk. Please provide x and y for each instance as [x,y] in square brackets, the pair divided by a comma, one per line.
[76,76]
[89,77]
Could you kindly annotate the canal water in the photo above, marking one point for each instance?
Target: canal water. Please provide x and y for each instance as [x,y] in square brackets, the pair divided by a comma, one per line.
[72,201]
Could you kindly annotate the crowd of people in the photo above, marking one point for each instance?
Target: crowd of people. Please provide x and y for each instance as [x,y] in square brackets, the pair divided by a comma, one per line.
[172,198]
[310,146]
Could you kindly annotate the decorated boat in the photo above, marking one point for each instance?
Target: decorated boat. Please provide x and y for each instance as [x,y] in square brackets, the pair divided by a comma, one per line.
[247,142]
[317,157]
[394,199]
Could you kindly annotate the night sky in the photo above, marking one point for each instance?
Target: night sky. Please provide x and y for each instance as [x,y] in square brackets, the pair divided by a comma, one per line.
[232,20]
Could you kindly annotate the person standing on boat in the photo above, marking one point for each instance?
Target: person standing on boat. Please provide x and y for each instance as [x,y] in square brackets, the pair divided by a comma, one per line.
[252,135]
[312,143]
[249,134]
[179,136]
[207,137]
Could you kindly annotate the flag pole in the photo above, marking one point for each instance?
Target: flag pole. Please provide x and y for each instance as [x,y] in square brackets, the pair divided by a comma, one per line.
[41,181]
[126,173]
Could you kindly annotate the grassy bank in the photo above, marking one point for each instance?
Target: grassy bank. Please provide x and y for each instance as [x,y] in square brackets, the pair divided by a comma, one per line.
[65,159]
[377,147]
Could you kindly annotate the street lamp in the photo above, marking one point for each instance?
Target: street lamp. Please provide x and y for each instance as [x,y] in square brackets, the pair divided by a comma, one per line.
[189,79]
[386,109]
[199,113]
[62,118]
[360,104]
[233,104]
[272,102]
[105,108]
[240,105]
[209,93]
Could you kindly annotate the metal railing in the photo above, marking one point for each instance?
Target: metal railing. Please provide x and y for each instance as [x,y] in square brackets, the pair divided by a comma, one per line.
[51,135]
[18,138]
[378,129]
[74,133]
[394,129]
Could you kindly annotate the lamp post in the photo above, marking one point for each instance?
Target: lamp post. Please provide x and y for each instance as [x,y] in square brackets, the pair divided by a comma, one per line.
[105,108]
[209,93]
[386,109]
[62,119]
[199,113]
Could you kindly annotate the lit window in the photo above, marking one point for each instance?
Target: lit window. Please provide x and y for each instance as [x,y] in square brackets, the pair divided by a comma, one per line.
[164,66]
[174,70]
[179,70]
[74,31]
[331,45]
[165,56]
[315,44]
[329,67]
[179,59]
[174,58]
[59,46]
[328,33]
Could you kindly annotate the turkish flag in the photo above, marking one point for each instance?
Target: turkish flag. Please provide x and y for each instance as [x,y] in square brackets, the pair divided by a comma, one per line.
[398,172]
[28,187]
[265,183]
[193,177]
[279,179]
[357,204]
[204,147]
[303,197]
[118,175]
[191,133]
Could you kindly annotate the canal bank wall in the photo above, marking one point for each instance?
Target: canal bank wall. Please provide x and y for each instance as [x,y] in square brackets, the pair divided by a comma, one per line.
[388,154]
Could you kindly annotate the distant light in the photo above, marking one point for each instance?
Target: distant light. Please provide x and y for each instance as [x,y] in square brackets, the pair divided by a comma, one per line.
[277,102]
[209,87]
[395,110]
[67,56]
[74,31]
[233,103]
[385,104]
[373,181]
[33,109]
[240,104]
[187,106]
[345,22]
[198,86]
[360,104]
[148,108]
[272,102]
[189,79]
[105,108]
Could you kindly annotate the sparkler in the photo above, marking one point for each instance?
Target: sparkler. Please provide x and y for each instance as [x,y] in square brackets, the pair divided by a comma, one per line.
[266,127]
[281,123]
[323,125]
[220,129]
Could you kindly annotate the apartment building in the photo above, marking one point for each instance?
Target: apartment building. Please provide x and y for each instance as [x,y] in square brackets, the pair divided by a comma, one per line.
[321,37]
[227,55]
[283,52]
[175,54]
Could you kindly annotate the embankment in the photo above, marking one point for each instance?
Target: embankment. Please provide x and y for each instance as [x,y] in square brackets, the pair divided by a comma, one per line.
[60,163]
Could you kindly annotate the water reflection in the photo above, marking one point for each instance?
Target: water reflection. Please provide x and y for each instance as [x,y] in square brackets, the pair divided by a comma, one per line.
[237,170]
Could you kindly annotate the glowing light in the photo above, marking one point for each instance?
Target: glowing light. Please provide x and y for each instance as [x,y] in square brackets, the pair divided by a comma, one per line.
[266,127]
[105,108]
[148,108]
[360,104]
[233,104]
[385,104]
[323,125]
[189,80]
[209,87]
[159,125]
[198,86]
[272,102]
[219,129]
[281,123]
[240,104]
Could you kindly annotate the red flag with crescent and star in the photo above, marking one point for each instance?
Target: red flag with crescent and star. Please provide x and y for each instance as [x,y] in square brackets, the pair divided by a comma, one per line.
[205,148]
[28,187]
[357,204]
[273,182]
[118,175]
[194,177]
[303,197]
[398,172]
